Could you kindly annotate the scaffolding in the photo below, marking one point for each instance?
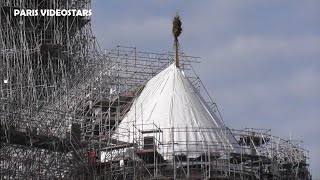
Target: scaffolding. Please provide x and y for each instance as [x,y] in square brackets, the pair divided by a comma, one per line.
[40,59]
[62,100]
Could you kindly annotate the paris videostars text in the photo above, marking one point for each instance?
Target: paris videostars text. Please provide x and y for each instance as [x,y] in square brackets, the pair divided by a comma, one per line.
[52,12]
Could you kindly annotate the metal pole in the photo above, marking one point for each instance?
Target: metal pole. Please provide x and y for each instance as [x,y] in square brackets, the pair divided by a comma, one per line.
[176,52]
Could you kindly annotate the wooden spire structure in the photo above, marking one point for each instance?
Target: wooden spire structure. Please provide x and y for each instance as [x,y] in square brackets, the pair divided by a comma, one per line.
[176,31]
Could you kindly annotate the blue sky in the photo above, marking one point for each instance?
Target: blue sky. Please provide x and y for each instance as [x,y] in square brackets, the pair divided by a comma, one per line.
[260,59]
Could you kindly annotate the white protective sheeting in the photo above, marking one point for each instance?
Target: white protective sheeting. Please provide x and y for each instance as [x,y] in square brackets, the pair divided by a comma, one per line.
[170,102]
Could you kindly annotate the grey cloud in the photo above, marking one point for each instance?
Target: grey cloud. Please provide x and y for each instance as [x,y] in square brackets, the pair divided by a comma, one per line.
[257,54]
[268,82]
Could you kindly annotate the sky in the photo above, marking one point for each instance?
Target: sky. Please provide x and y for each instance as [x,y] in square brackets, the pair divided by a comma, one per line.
[260,60]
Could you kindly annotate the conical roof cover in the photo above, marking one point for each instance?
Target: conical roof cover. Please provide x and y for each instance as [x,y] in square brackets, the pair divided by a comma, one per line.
[169,107]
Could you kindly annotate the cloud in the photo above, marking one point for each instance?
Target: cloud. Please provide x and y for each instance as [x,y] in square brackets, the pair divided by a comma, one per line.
[268,82]
[252,72]
[133,31]
[262,57]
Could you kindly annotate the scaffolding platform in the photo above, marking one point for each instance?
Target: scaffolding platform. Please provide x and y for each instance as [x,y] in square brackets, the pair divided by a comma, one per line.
[32,139]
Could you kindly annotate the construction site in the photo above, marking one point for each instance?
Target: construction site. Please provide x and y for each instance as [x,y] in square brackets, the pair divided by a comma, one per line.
[71,110]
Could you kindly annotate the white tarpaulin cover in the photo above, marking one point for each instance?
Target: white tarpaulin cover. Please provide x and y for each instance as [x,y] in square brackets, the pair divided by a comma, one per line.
[170,102]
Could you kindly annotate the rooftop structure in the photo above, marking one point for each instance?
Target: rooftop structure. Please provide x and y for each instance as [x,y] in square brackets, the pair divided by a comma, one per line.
[169,101]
